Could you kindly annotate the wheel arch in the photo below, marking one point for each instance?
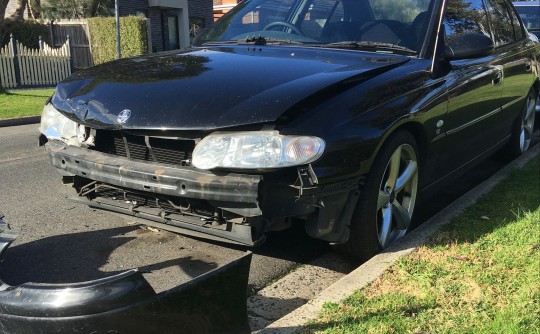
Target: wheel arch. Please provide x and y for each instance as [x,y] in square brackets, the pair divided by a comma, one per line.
[419,135]
[415,129]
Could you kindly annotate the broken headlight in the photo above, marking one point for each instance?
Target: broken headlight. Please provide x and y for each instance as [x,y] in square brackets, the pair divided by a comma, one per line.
[54,125]
[256,150]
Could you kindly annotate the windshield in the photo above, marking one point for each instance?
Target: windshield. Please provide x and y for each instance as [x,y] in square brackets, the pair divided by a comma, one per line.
[400,23]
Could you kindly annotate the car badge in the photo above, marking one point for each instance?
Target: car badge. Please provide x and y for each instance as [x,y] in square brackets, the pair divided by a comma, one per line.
[123,116]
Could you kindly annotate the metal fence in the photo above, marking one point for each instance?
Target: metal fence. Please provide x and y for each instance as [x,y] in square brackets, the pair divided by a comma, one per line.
[22,66]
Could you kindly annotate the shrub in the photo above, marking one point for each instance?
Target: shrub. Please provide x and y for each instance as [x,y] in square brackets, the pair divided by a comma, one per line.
[133,37]
[28,32]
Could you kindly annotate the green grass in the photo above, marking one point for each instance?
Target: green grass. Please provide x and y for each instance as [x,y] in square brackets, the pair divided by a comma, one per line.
[479,274]
[19,103]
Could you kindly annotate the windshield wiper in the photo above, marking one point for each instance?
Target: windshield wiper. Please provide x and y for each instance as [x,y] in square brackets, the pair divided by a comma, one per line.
[367,45]
[265,40]
[253,41]
[213,43]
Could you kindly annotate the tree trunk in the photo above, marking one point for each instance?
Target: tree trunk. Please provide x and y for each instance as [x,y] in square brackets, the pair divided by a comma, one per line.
[3,6]
[19,12]
[18,15]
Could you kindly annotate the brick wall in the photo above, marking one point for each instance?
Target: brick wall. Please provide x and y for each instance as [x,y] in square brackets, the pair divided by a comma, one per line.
[131,7]
[202,9]
[197,8]
[156,28]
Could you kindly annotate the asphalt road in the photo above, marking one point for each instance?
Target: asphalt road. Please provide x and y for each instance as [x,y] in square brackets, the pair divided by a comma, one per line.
[61,241]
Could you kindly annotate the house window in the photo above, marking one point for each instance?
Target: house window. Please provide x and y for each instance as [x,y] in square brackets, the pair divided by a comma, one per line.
[174,37]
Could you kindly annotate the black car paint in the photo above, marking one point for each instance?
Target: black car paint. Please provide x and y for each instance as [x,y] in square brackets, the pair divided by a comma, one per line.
[182,90]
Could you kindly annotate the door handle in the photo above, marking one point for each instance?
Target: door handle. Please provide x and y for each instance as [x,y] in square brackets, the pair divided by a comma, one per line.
[498,78]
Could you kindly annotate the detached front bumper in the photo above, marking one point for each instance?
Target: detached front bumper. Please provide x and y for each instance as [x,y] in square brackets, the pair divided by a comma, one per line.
[125,303]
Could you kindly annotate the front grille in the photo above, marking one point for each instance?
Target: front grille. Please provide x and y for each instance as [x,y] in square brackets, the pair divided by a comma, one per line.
[194,207]
[166,151]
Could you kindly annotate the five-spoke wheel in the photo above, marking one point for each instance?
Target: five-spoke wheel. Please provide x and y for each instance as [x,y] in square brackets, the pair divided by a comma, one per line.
[386,203]
[397,195]
[523,127]
[527,122]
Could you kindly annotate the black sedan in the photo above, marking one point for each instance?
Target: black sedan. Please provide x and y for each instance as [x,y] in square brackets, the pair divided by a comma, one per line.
[332,113]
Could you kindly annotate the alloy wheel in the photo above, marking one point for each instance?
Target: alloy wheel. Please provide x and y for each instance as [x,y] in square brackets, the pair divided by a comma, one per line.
[527,122]
[397,195]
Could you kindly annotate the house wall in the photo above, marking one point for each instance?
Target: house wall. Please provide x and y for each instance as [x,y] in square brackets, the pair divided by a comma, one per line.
[131,7]
[200,11]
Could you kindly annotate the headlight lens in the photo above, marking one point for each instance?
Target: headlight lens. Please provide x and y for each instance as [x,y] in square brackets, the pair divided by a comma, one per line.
[256,150]
[54,125]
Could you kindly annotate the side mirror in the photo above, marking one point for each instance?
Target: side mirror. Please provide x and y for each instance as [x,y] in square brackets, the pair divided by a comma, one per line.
[469,45]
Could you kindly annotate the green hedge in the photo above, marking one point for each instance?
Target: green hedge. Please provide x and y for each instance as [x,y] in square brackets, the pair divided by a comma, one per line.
[27,32]
[133,37]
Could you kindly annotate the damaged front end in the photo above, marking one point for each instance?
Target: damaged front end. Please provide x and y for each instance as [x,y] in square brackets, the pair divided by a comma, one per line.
[152,178]
[125,303]
[230,186]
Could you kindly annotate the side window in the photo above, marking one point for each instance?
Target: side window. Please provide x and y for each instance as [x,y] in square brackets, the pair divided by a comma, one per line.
[506,27]
[463,16]
[319,14]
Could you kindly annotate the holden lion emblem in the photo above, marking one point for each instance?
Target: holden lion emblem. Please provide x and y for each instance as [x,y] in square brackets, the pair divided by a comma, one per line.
[123,116]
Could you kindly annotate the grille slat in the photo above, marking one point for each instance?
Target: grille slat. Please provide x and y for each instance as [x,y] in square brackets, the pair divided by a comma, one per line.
[166,151]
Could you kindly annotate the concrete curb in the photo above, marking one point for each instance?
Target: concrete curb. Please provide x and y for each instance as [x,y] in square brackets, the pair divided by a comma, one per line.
[372,269]
[19,121]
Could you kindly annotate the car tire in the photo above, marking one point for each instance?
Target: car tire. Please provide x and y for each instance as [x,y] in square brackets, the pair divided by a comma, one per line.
[522,131]
[386,203]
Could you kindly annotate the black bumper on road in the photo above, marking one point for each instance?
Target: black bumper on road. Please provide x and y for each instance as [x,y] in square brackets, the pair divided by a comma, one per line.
[125,303]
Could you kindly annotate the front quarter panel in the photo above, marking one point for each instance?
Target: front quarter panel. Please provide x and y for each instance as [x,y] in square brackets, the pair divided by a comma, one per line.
[356,123]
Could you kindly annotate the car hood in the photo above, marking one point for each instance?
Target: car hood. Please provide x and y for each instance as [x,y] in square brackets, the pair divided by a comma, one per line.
[211,88]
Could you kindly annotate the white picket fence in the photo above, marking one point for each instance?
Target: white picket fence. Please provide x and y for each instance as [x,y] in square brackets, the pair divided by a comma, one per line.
[22,66]
[7,67]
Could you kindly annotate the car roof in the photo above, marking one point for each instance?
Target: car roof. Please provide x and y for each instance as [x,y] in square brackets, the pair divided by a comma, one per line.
[526,3]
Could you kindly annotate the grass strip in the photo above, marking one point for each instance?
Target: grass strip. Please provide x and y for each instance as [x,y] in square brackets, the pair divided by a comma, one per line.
[20,103]
[479,274]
